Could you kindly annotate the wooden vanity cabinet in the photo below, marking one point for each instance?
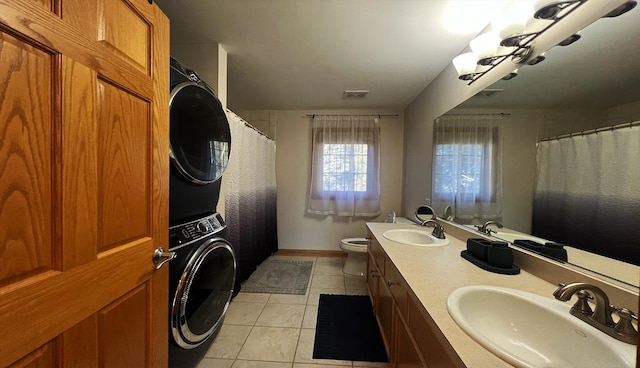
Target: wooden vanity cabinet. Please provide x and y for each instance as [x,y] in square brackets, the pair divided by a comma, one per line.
[411,337]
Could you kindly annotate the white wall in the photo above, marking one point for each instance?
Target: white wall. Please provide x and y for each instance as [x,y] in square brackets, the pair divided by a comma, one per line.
[296,228]
[209,61]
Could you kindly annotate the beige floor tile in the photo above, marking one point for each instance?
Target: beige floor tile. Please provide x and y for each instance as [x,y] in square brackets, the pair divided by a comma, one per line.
[308,365]
[327,282]
[260,364]
[242,313]
[355,282]
[276,344]
[228,342]
[288,298]
[251,297]
[371,364]
[310,316]
[328,269]
[314,294]
[330,260]
[304,352]
[281,315]
[215,363]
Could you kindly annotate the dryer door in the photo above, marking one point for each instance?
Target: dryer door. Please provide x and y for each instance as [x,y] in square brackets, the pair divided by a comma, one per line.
[203,293]
[200,138]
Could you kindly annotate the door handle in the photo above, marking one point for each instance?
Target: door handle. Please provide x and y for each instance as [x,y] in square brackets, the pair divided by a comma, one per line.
[161,257]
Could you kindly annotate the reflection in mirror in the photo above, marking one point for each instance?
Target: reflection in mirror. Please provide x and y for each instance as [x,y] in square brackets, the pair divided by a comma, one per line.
[448,213]
[424,213]
[591,84]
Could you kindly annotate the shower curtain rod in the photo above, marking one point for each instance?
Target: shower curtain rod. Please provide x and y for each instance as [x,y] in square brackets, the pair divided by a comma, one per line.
[592,131]
[380,116]
[248,125]
[256,129]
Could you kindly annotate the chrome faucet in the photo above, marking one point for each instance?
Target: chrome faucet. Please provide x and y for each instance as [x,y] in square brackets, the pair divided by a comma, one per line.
[600,317]
[485,228]
[438,230]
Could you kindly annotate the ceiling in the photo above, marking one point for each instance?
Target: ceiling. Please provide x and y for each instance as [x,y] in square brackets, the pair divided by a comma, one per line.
[303,54]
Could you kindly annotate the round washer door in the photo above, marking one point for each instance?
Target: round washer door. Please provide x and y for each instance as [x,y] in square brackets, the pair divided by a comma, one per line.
[203,293]
[200,138]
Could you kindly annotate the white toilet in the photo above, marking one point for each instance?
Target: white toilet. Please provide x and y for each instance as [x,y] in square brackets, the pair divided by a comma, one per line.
[356,262]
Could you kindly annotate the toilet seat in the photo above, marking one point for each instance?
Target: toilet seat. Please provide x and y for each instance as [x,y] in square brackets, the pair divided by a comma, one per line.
[354,244]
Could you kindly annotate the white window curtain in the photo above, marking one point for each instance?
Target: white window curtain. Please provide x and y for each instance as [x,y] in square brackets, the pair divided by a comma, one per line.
[345,166]
[467,167]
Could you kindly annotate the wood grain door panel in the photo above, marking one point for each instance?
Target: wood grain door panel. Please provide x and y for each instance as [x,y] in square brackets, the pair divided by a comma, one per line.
[26,175]
[83,183]
[43,357]
[131,42]
[80,168]
[123,131]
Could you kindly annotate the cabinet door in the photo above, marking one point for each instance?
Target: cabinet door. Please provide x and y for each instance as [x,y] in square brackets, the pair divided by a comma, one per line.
[373,275]
[407,355]
[384,313]
[83,183]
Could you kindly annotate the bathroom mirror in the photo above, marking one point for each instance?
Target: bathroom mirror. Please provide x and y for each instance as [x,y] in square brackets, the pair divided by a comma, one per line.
[424,213]
[597,75]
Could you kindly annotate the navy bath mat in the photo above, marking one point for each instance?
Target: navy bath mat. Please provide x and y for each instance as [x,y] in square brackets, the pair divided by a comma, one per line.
[346,329]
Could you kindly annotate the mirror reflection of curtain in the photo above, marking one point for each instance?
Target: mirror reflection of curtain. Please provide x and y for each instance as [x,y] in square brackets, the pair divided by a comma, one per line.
[250,197]
[588,192]
[345,166]
[467,167]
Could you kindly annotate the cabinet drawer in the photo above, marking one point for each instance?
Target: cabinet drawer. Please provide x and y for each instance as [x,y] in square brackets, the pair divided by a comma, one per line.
[378,254]
[398,288]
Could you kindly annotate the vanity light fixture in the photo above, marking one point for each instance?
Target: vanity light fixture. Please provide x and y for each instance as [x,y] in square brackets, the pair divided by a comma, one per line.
[630,4]
[508,32]
[536,60]
[511,75]
[569,40]
[552,10]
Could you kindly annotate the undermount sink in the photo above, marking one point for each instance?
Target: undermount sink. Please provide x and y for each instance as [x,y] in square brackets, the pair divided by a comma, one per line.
[418,238]
[529,330]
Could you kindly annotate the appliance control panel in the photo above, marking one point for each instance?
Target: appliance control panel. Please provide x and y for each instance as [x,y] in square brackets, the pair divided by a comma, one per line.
[195,230]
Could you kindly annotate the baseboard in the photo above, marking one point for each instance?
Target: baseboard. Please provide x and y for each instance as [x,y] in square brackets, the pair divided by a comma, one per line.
[310,253]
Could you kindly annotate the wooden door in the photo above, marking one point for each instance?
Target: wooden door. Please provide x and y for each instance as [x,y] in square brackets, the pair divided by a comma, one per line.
[83,183]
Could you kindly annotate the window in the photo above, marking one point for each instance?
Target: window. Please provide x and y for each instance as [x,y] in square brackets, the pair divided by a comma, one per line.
[459,168]
[467,167]
[345,166]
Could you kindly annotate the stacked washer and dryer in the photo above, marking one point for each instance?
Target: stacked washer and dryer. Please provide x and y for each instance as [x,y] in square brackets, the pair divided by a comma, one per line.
[202,277]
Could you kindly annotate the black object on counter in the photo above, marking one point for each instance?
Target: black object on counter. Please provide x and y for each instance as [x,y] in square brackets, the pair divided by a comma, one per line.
[491,256]
[549,249]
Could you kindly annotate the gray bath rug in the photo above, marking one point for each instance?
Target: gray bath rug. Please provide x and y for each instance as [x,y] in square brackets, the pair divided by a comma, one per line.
[279,277]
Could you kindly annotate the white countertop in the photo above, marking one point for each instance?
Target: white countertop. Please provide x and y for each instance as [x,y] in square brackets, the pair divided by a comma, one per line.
[433,273]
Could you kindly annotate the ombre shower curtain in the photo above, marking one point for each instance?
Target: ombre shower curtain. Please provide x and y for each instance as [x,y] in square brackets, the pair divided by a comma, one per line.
[588,192]
[250,196]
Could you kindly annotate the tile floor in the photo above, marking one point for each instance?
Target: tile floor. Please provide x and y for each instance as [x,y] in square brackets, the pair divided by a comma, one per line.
[277,330]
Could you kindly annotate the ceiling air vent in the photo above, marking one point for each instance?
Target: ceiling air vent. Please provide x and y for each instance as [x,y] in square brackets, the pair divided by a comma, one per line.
[355,95]
[488,92]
